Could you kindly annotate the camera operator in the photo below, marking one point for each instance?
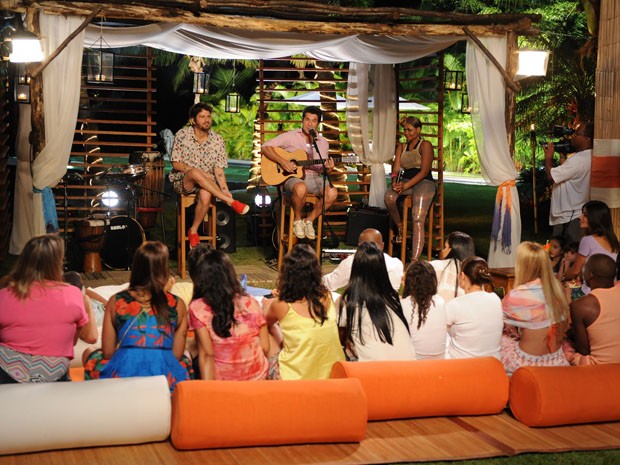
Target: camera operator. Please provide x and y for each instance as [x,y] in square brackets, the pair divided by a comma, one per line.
[571,183]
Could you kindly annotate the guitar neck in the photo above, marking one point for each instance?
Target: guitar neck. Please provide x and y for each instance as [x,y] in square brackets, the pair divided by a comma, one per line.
[315,161]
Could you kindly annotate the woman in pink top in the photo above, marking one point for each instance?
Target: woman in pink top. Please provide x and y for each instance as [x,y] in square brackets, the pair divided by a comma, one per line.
[41,317]
[230,326]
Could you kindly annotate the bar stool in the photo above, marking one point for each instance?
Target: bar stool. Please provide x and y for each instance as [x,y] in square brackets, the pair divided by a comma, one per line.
[183,202]
[404,214]
[287,214]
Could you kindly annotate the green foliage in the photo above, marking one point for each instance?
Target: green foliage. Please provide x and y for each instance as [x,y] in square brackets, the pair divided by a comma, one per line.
[236,129]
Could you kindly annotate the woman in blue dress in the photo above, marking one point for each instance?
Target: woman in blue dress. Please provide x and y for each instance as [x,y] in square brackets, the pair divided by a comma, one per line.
[144,326]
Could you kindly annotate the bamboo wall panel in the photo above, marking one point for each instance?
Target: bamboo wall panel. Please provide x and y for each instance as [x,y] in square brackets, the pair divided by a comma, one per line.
[606,123]
[114,121]
[6,186]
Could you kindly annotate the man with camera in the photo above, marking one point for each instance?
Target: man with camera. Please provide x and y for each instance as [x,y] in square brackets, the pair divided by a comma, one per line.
[571,183]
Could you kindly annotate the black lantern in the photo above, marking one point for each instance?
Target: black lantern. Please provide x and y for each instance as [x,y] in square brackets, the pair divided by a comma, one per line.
[99,63]
[453,80]
[22,85]
[232,102]
[201,83]
[232,99]
[465,107]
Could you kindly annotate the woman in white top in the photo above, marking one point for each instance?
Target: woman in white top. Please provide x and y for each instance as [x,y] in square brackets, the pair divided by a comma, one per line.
[458,247]
[425,311]
[475,320]
[370,314]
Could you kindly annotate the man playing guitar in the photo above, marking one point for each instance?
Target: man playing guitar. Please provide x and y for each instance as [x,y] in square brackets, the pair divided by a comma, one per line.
[312,182]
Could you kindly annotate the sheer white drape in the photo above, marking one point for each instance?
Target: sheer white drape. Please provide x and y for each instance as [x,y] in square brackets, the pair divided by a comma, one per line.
[374,143]
[61,96]
[486,90]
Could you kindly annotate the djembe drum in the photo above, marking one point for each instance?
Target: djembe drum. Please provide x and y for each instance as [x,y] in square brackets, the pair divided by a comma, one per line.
[89,233]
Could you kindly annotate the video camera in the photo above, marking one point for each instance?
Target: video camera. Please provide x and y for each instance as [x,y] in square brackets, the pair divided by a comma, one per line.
[563,144]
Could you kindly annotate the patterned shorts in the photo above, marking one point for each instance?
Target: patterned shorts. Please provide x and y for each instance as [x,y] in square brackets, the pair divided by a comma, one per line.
[513,357]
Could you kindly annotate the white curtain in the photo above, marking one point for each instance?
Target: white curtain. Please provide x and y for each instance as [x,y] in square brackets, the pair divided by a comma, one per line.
[486,90]
[374,143]
[211,42]
[61,96]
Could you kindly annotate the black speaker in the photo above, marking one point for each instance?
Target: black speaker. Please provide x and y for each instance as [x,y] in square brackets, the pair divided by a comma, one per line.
[226,228]
[364,218]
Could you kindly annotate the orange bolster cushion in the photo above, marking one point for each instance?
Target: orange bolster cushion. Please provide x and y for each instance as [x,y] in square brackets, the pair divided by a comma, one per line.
[550,396]
[428,388]
[214,414]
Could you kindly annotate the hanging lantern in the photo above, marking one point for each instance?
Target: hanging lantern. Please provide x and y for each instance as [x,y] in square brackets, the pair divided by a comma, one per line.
[99,63]
[201,83]
[22,85]
[532,63]
[465,106]
[232,102]
[453,80]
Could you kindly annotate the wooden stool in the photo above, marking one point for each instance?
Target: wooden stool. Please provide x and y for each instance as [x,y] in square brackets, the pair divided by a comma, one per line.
[183,202]
[404,214]
[286,237]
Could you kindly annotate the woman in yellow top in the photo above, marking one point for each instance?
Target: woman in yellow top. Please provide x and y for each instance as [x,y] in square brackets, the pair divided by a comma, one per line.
[306,315]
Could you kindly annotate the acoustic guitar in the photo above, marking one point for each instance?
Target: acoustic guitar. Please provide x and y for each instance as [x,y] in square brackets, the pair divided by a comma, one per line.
[273,174]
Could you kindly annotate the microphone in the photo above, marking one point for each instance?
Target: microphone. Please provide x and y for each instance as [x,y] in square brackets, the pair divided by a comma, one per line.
[312,133]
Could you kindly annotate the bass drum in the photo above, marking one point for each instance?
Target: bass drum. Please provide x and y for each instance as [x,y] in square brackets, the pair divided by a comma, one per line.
[122,238]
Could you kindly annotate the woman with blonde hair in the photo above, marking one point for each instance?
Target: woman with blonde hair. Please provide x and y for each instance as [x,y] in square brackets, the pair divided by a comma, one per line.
[535,313]
[41,317]
[411,175]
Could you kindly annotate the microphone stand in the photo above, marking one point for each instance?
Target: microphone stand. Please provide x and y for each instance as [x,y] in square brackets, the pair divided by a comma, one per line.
[326,180]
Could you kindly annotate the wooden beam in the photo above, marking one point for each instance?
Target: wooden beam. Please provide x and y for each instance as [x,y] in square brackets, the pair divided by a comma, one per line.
[402,22]
[64,43]
[515,86]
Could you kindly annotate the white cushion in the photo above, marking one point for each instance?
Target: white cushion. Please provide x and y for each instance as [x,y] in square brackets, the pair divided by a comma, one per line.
[47,416]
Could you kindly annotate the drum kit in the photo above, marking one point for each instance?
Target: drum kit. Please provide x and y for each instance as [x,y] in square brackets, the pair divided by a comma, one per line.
[113,240]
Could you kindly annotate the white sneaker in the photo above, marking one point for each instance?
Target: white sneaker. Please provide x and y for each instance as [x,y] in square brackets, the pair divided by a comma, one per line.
[298,229]
[309,230]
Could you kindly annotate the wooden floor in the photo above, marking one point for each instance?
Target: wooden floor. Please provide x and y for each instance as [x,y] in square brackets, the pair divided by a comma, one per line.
[258,275]
[420,440]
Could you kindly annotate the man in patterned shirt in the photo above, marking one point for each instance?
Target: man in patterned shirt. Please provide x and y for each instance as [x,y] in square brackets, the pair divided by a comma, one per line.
[198,162]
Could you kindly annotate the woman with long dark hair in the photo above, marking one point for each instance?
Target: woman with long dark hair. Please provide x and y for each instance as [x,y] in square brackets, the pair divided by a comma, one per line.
[144,326]
[230,326]
[425,311]
[457,247]
[595,219]
[370,311]
[41,317]
[474,319]
[305,313]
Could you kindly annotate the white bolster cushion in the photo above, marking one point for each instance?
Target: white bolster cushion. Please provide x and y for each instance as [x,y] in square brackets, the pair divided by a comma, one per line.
[61,415]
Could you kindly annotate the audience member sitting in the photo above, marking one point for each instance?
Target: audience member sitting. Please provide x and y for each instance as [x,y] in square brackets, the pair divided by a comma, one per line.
[144,326]
[370,313]
[231,329]
[475,318]
[425,311]
[599,238]
[340,276]
[41,317]
[306,315]
[535,313]
[555,249]
[594,335]
[457,247]
[97,307]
